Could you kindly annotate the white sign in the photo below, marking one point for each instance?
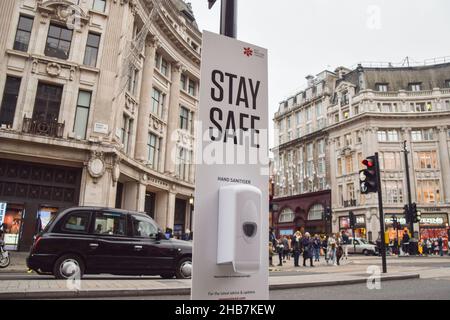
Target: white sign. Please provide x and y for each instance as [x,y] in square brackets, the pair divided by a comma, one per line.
[2,211]
[230,250]
[101,128]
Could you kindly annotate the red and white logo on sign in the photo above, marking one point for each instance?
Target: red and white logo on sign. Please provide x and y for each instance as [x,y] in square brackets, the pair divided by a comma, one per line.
[248,52]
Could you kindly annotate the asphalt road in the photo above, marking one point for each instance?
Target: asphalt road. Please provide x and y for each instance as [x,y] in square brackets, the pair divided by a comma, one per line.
[416,289]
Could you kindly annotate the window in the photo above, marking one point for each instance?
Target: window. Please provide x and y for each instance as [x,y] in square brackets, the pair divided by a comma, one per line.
[421,106]
[59,40]
[428,191]
[393,135]
[153,150]
[339,167]
[319,109]
[164,67]
[192,86]
[341,195]
[158,102]
[92,45]
[183,82]
[110,223]
[9,101]
[47,103]
[127,128]
[77,222]
[287,215]
[143,227]
[346,114]
[382,136]
[390,161]
[348,164]
[184,118]
[382,87]
[184,157]
[288,121]
[447,83]
[99,5]
[348,139]
[351,192]
[321,166]
[422,135]
[133,77]
[309,151]
[308,114]
[82,114]
[298,117]
[426,160]
[23,33]
[416,86]
[316,212]
[336,117]
[322,147]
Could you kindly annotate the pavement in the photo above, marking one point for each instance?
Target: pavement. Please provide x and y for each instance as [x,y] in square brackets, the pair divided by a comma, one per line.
[16,283]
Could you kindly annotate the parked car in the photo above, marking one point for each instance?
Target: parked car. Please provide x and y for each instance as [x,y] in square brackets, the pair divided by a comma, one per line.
[362,246]
[89,240]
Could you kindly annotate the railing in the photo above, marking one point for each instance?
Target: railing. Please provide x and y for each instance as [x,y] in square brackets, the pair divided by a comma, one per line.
[43,127]
[350,203]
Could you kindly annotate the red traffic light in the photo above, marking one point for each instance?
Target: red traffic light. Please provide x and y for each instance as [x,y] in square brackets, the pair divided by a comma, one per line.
[368,163]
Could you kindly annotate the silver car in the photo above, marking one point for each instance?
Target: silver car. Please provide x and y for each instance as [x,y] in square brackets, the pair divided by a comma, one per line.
[360,245]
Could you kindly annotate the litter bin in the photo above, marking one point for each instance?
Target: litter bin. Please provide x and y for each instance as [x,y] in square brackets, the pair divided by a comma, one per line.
[413,247]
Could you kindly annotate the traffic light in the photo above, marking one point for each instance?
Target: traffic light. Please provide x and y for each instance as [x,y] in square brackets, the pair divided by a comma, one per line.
[328,214]
[395,223]
[415,214]
[351,219]
[368,178]
[407,213]
[211,3]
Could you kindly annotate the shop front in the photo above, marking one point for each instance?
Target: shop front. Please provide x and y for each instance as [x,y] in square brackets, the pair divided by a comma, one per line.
[360,226]
[434,225]
[389,226]
[30,195]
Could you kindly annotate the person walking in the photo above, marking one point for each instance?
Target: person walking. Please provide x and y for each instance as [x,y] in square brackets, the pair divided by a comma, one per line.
[441,246]
[429,247]
[285,249]
[307,248]
[345,243]
[405,242]
[271,254]
[316,247]
[324,248]
[331,249]
[280,249]
[296,247]
[339,249]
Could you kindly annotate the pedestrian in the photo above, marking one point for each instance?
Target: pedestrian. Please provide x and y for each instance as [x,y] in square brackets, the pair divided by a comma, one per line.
[429,247]
[405,242]
[331,249]
[345,244]
[441,246]
[436,247]
[339,250]
[272,237]
[285,249]
[280,249]
[307,248]
[316,247]
[271,254]
[324,247]
[296,247]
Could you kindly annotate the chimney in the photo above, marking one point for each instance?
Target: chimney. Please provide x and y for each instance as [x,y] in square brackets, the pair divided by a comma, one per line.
[310,80]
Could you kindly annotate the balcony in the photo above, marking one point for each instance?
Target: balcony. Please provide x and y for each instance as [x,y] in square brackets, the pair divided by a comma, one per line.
[43,127]
[350,203]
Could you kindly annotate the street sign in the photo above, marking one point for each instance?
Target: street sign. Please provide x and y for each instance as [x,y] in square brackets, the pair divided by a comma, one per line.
[230,250]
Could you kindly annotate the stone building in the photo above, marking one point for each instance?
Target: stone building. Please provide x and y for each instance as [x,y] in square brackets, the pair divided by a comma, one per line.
[98,105]
[301,175]
[377,109]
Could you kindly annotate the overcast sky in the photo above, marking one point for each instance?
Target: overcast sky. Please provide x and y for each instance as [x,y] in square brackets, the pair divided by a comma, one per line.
[307,36]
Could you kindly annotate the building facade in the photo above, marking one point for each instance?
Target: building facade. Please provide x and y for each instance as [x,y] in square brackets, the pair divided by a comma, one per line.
[98,104]
[382,109]
[301,163]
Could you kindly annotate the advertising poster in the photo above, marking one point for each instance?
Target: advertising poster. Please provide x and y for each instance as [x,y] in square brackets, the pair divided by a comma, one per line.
[230,250]
[2,211]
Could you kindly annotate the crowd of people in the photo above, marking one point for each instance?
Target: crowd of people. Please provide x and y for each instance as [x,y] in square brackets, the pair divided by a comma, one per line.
[404,246]
[310,248]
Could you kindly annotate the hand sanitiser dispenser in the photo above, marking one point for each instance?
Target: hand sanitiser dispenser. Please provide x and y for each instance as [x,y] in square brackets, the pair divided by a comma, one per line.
[239,228]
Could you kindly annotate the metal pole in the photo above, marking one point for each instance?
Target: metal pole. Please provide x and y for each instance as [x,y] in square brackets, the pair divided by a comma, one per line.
[408,187]
[228,18]
[380,209]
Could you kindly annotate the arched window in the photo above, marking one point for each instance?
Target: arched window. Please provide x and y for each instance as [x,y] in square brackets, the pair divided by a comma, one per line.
[287,215]
[316,212]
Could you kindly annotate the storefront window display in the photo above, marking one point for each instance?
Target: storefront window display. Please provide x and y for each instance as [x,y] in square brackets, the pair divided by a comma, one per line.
[433,226]
[389,227]
[360,226]
[12,218]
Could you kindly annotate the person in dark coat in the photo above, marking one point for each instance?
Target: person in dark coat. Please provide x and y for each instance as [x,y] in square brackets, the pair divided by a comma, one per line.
[307,247]
[297,246]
